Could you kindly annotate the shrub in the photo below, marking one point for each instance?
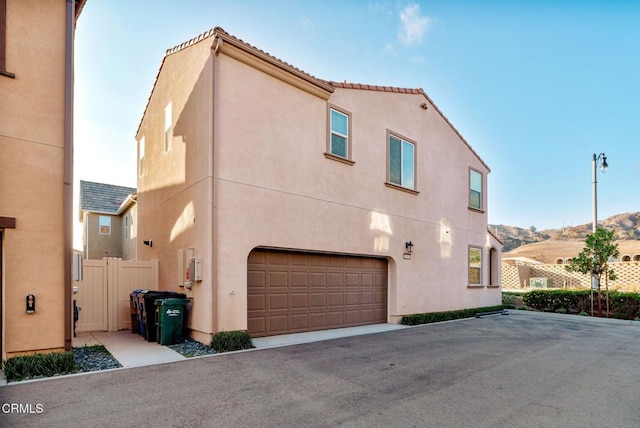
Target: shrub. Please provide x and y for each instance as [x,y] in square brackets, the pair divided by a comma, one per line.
[226,341]
[431,317]
[38,365]
[621,305]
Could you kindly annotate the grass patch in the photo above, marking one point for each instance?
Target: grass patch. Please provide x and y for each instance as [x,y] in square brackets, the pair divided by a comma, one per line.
[226,341]
[38,366]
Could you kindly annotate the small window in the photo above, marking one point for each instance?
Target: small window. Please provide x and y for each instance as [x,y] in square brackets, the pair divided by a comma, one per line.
[475,266]
[168,128]
[104,225]
[141,149]
[3,39]
[475,190]
[401,154]
[339,135]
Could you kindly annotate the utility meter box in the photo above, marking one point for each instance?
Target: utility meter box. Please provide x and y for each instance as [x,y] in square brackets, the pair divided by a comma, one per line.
[194,269]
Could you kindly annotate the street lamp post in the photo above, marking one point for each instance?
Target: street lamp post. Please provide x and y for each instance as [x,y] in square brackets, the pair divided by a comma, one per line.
[603,166]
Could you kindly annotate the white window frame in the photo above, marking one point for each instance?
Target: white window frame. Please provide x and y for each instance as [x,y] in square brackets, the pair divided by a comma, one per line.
[403,143]
[347,143]
[168,127]
[471,172]
[471,266]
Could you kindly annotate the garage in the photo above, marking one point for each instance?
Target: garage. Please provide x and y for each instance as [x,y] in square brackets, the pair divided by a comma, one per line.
[294,292]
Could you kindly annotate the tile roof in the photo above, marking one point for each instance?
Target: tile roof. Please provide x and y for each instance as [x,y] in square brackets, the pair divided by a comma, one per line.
[327,85]
[417,91]
[103,198]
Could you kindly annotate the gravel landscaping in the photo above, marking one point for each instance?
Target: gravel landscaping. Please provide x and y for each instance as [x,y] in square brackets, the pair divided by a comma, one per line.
[191,348]
[94,358]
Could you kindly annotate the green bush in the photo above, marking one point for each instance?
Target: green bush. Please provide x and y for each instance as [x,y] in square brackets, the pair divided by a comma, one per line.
[38,365]
[226,341]
[431,317]
[621,305]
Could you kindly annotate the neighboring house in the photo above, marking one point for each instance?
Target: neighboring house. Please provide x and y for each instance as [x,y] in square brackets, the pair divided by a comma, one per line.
[307,204]
[108,216]
[36,165]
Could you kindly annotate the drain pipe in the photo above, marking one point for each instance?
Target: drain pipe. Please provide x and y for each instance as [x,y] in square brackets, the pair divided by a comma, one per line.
[67,191]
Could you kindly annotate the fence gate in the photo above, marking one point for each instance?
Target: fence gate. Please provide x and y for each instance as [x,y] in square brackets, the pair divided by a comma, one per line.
[103,294]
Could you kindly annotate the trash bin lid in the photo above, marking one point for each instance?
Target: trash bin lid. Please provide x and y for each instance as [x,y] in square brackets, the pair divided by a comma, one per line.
[171,301]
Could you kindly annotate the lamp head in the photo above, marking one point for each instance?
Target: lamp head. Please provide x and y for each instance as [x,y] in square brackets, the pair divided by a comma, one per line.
[604,165]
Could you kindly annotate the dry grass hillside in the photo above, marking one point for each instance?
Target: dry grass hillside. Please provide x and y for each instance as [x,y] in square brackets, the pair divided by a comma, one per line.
[548,245]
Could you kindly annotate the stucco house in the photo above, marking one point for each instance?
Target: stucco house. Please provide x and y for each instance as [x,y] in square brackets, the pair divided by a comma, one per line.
[282,203]
[108,216]
[36,143]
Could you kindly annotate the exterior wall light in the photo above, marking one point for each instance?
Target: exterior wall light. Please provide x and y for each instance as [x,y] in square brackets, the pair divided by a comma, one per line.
[409,250]
[149,242]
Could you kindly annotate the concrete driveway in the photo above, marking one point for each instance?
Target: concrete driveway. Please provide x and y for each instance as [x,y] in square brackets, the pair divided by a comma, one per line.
[519,370]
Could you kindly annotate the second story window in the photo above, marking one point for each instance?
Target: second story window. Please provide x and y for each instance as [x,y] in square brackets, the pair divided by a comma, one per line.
[401,155]
[475,190]
[3,39]
[339,134]
[168,127]
[104,225]
[141,149]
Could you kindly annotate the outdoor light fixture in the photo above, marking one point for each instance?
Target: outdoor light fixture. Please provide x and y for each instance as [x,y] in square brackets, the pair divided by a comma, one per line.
[149,242]
[603,166]
[408,246]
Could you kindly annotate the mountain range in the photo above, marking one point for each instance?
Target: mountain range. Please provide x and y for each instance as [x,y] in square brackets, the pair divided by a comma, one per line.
[519,241]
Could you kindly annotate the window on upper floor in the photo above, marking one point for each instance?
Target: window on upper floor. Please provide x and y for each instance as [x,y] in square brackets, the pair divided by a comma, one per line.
[168,127]
[401,155]
[475,266]
[339,135]
[141,149]
[3,39]
[104,225]
[475,190]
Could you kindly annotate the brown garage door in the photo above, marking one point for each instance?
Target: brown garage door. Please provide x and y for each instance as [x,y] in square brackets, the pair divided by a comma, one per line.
[290,292]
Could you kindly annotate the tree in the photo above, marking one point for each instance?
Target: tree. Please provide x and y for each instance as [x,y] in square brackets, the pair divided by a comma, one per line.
[594,260]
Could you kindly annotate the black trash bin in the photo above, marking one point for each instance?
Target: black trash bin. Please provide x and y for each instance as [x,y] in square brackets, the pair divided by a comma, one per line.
[138,299]
[170,318]
[135,319]
[149,310]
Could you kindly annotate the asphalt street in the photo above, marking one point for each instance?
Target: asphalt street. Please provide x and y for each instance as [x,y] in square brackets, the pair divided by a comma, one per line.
[517,370]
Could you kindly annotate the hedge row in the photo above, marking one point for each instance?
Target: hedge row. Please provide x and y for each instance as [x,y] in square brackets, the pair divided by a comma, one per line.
[621,305]
[432,317]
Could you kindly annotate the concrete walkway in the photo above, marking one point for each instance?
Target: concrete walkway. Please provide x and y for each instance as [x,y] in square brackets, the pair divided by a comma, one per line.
[131,350]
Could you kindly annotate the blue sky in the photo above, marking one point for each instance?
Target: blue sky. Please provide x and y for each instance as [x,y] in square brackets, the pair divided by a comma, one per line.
[536,87]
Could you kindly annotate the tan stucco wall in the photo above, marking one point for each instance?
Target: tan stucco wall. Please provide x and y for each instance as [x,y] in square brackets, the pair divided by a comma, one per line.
[98,246]
[269,184]
[175,191]
[31,175]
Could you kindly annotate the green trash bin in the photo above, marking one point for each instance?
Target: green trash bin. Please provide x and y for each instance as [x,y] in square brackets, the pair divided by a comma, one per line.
[170,315]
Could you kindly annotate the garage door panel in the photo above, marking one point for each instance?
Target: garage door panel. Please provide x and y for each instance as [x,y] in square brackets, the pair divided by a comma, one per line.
[299,301]
[278,279]
[293,292]
[352,317]
[278,301]
[335,319]
[257,302]
[336,299]
[318,279]
[318,320]
[351,298]
[278,324]
[317,300]
[300,322]
[299,279]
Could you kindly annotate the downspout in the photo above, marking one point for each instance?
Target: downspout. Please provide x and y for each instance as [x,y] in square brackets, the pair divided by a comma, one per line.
[213,168]
[67,190]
